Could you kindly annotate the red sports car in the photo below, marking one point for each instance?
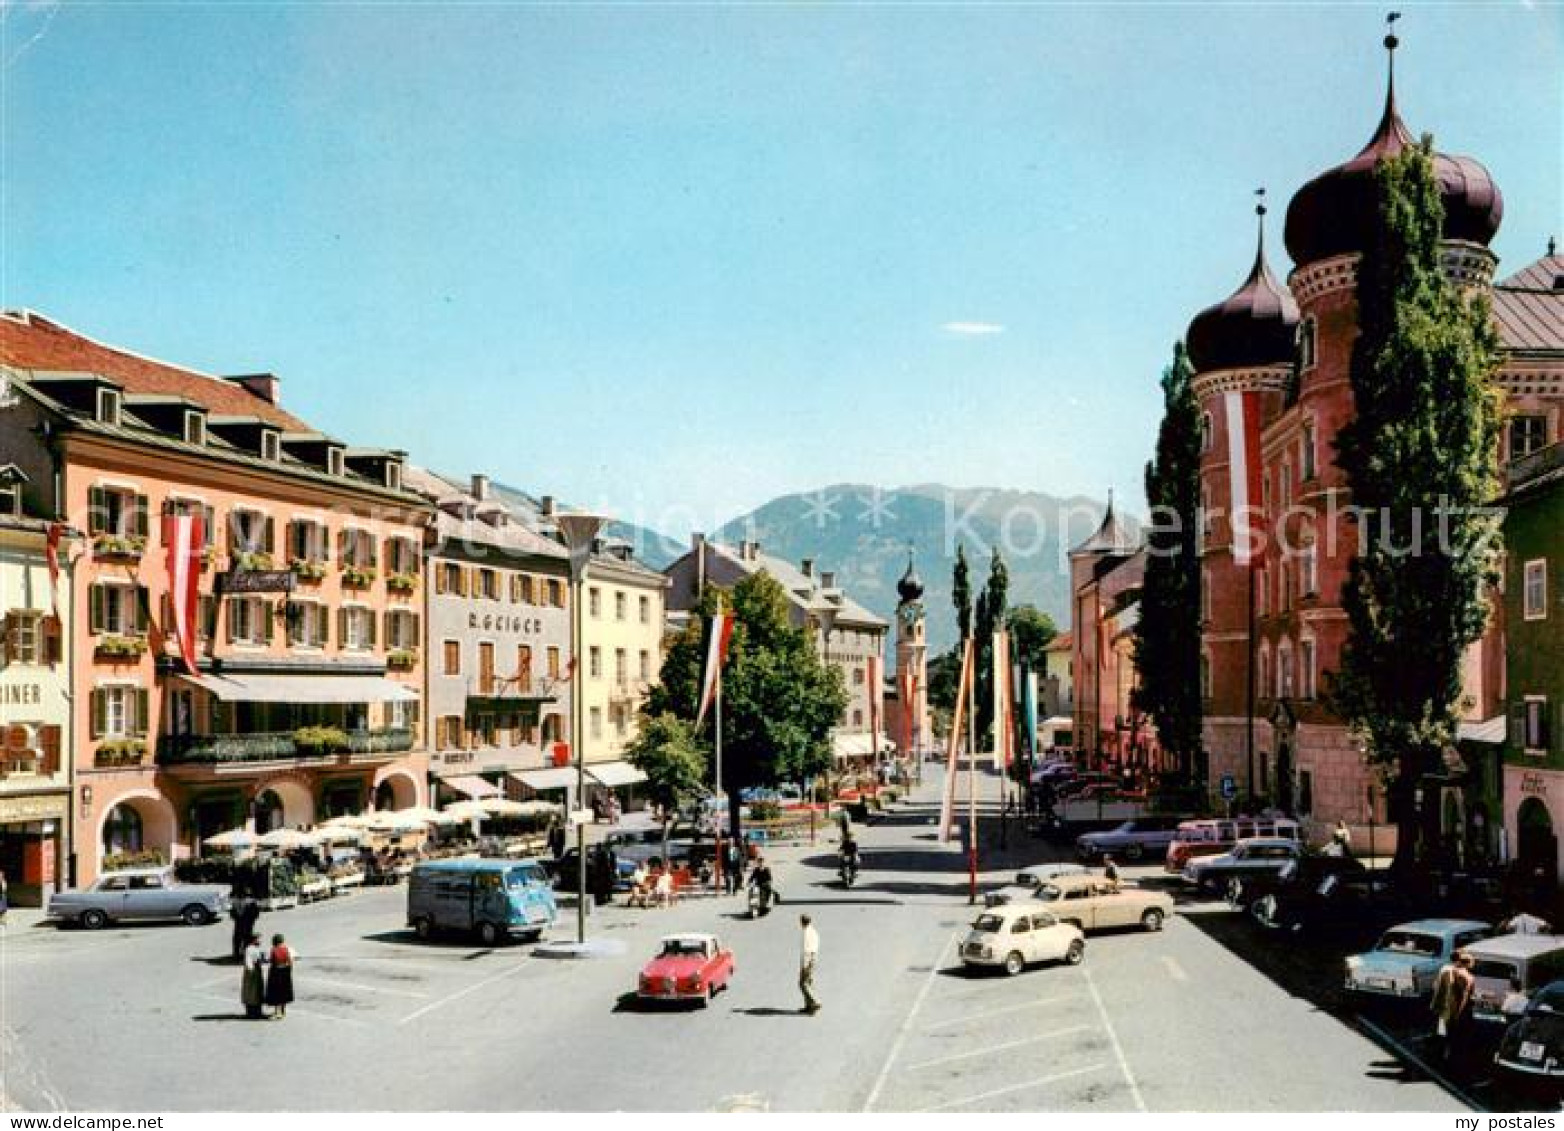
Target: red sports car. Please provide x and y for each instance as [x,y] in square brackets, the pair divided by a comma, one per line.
[687,968]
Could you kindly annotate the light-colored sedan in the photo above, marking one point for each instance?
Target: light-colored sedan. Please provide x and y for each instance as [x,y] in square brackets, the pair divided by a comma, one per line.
[1029,881]
[1094,903]
[139,893]
[1014,935]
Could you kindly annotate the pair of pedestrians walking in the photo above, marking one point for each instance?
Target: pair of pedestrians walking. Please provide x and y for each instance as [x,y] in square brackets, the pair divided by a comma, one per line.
[267,978]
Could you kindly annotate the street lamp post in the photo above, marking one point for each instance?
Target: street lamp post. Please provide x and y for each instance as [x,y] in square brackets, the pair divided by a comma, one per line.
[580,531]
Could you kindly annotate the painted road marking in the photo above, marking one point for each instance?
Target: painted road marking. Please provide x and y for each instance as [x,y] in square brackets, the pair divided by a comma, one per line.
[998,1012]
[906,1025]
[1175,971]
[1038,1083]
[474,988]
[999,1048]
[1113,1036]
[316,979]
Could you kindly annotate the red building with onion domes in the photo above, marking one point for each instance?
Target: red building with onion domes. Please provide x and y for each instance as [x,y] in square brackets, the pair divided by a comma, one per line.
[1274,631]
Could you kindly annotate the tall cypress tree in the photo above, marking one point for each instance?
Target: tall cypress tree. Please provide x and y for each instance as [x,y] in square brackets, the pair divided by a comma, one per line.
[961,593]
[992,606]
[1167,636]
[1420,458]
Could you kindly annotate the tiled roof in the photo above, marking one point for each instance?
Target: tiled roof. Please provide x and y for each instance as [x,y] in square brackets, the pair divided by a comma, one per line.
[456,530]
[803,590]
[1529,308]
[30,341]
[1112,537]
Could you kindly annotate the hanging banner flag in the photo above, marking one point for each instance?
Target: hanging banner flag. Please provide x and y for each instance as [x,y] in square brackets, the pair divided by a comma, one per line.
[947,807]
[719,632]
[1244,471]
[1031,714]
[876,702]
[184,535]
[52,555]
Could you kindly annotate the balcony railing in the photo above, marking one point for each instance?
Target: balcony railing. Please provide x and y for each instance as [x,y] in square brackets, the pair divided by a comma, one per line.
[273,746]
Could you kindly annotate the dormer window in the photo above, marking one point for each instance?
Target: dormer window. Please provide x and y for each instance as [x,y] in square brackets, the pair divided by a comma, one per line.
[334,461]
[195,428]
[394,476]
[108,406]
[271,447]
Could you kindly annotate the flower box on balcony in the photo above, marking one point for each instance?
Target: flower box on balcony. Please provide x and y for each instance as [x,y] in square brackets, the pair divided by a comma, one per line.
[115,546]
[308,569]
[318,741]
[120,752]
[121,647]
[252,561]
[402,659]
[401,582]
[358,577]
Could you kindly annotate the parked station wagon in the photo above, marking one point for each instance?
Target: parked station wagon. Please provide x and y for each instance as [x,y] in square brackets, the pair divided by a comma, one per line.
[1407,958]
[139,893]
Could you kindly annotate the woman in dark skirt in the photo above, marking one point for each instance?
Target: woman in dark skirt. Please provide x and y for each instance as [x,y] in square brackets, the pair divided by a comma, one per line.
[279,977]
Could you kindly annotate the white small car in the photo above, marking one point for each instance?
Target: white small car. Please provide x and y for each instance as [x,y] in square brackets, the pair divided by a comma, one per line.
[1029,881]
[1014,935]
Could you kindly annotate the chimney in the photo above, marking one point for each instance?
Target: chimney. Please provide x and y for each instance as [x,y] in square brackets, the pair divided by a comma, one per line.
[546,506]
[266,386]
[751,551]
[807,567]
[480,487]
[828,579]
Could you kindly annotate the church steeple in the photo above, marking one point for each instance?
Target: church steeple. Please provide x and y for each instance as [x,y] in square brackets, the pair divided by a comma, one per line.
[910,587]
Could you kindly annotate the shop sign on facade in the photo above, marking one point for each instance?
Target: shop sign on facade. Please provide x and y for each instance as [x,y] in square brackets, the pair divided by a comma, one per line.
[43,807]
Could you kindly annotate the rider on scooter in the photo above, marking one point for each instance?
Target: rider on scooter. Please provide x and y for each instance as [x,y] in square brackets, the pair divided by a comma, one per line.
[760,882]
[849,857]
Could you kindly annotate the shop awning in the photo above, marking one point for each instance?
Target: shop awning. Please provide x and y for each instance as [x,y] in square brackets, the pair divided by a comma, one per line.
[551,777]
[304,688]
[614,774]
[853,745]
[471,785]
[1489,731]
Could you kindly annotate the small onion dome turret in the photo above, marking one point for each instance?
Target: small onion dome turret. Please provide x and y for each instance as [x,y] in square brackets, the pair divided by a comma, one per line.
[1337,212]
[1254,327]
[911,585]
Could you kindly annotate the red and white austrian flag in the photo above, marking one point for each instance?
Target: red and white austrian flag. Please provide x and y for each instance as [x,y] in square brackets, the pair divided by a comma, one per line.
[719,632]
[184,535]
[1243,463]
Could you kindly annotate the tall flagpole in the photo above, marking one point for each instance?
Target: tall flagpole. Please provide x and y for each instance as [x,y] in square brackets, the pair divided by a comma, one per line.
[972,830]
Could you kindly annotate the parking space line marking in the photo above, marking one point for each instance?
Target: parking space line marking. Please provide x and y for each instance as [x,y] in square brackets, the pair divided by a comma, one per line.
[474,988]
[1175,971]
[294,1008]
[1038,1083]
[999,1048]
[906,1025]
[996,1012]
[1118,1049]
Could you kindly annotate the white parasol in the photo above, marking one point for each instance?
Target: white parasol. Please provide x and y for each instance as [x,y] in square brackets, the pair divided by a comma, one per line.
[233,838]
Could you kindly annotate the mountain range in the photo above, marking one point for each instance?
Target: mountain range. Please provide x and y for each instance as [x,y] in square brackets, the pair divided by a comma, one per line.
[864,534]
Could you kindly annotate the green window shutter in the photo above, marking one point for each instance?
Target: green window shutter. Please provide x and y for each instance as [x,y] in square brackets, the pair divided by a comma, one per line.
[322,627]
[97,510]
[99,711]
[390,630]
[233,633]
[95,610]
[270,537]
[140,723]
[342,628]
[267,627]
[372,549]
[344,537]
[370,622]
[143,610]
[141,516]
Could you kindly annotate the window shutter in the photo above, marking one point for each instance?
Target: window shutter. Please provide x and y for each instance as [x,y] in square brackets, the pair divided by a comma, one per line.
[208,527]
[369,623]
[138,726]
[206,614]
[95,610]
[9,634]
[231,605]
[343,536]
[468,581]
[53,640]
[49,744]
[100,698]
[270,537]
[97,510]
[342,628]
[321,629]
[141,516]
[1518,725]
[439,577]
[371,549]
[264,611]
[143,610]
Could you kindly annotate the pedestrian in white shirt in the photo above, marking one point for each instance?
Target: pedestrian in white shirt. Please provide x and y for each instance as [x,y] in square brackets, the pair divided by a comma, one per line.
[806,967]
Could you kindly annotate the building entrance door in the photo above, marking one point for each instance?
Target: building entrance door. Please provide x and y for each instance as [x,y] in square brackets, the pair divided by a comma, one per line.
[1537,848]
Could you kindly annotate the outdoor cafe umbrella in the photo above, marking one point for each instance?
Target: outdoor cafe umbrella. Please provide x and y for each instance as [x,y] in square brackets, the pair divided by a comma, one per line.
[466,810]
[233,838]
[500,807]
[425,815]
[395,822]
[349,821]
[288,838]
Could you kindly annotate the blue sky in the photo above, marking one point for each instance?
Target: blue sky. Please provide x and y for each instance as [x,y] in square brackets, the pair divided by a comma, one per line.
[674,260]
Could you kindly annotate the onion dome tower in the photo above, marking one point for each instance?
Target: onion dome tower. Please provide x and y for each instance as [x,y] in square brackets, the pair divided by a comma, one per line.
[910,724]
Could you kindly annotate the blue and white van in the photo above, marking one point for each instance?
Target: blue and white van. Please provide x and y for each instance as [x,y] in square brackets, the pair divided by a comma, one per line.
[493,899]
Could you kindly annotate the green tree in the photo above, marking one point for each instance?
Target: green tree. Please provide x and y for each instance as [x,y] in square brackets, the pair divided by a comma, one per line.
[1167,636]
[780,700]
[1420,457]
[961,594]
[674,762]
[991,613]
[1031,631]
[944,673]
